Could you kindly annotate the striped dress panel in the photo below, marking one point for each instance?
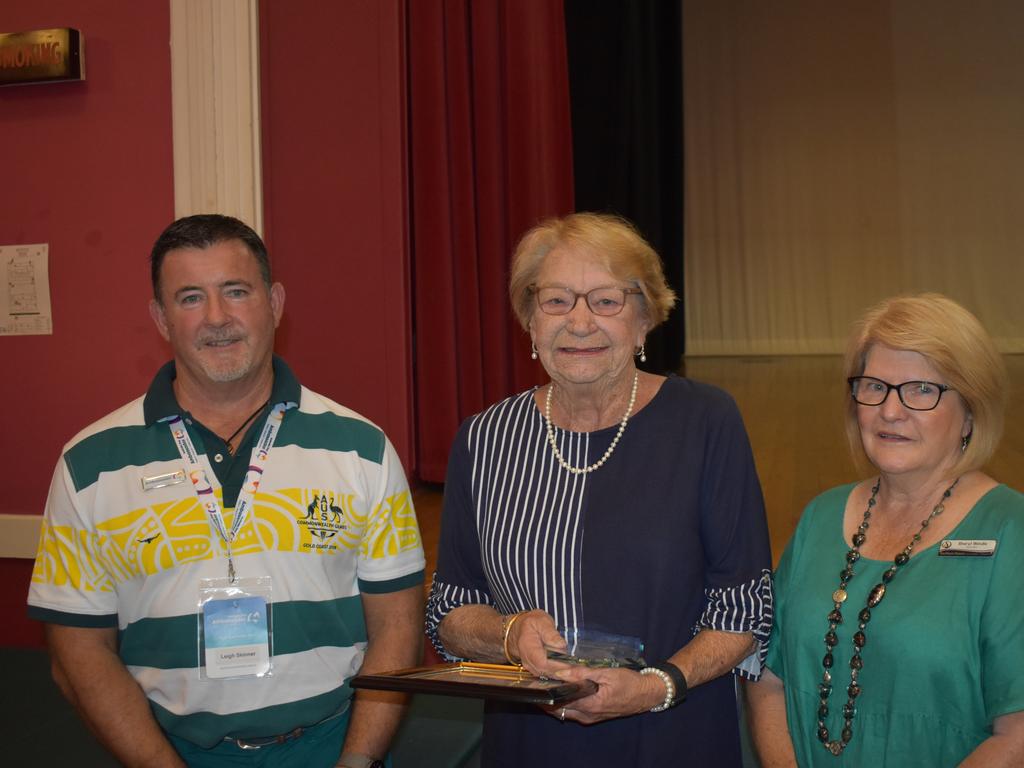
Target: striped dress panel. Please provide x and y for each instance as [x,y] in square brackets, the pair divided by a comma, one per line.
[529,513]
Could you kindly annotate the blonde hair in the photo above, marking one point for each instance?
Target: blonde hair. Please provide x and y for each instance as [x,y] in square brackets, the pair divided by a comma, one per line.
[612,240]
[960,349]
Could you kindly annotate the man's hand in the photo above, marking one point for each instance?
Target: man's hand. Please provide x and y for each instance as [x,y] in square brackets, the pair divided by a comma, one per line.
[394,628]
[90,674]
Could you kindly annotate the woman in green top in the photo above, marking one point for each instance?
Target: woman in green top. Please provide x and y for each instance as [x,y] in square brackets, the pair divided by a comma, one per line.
[899,621]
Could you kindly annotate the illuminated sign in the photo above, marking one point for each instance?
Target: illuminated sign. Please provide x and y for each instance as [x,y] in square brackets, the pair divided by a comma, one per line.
[42,56]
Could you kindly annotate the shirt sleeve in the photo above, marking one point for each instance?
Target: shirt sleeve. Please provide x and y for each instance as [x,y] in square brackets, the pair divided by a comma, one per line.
[1002,626]
[744,608]
[391,552]
[72,581]
[789,567]
[459,579]
[734,533]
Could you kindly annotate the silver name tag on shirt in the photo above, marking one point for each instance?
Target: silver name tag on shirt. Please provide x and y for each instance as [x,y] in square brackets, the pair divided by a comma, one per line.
[162,481]
[967,547]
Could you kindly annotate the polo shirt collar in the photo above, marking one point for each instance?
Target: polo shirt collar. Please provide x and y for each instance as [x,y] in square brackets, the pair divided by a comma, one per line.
[160,402]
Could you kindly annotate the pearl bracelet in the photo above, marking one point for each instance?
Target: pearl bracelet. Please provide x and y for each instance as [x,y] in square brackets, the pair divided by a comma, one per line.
[670,687]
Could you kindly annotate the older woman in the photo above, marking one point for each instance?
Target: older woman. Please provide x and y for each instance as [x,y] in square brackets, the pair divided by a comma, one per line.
[611,500]
[899,635]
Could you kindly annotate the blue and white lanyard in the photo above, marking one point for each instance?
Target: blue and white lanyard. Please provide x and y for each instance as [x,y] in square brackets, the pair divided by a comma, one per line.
[204,490]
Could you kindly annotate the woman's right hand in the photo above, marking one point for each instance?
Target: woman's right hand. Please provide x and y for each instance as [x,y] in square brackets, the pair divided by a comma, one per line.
[530,638]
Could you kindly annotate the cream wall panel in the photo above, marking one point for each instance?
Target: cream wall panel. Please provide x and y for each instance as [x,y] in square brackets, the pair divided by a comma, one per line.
[215,93]
[838,156]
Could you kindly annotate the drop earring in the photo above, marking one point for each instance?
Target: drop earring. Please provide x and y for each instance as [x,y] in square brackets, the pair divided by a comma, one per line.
[642,353]
[533,351]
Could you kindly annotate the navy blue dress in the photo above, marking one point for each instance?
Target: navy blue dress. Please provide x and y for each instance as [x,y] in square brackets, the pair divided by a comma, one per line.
[666,538]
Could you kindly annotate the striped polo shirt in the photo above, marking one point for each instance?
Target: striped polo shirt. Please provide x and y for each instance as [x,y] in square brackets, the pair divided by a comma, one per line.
[125,543]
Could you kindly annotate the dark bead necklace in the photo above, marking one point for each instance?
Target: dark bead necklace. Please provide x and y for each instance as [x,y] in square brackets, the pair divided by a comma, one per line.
[835,618]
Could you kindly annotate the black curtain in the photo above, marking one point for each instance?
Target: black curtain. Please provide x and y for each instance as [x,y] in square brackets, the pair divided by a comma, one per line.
[626,92]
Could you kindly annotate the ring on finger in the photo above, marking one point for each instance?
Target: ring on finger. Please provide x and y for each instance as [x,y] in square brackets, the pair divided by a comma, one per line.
[561,715]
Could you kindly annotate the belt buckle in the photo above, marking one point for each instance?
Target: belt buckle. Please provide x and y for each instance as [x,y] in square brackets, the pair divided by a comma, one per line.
[259,743]
[266,741]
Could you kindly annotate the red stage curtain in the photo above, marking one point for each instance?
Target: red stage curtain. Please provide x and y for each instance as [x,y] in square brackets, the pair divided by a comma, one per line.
[491,155]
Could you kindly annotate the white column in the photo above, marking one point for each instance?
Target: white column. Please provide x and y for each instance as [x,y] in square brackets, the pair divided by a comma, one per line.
[215,97]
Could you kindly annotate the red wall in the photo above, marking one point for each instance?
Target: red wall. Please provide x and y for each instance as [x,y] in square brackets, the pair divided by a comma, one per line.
[85,167]
[333,103]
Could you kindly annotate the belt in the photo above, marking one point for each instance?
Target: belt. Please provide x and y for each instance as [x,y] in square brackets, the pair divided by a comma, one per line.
[258,742]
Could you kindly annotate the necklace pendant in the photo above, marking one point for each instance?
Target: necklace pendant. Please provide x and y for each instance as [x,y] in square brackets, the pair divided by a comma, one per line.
[835,747]
[876,596]
[839,596]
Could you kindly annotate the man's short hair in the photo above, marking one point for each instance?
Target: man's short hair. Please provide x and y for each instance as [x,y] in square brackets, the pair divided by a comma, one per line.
[202,231]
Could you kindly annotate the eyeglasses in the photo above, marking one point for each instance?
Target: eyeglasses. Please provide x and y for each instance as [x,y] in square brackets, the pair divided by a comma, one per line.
[605,302]
[915,395]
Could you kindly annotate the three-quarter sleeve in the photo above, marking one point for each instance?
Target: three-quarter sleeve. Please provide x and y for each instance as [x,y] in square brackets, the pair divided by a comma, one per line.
[734,533]
[743,608]
[1001,639]
[459,578]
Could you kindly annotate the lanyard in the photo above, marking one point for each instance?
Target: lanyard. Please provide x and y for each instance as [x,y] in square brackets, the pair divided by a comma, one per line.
[204,490]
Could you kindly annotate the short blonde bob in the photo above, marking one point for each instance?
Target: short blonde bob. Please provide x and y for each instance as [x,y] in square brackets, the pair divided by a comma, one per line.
[613,241]
[960,349]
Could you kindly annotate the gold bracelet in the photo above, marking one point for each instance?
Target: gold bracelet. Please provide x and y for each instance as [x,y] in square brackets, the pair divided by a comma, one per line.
[506,629]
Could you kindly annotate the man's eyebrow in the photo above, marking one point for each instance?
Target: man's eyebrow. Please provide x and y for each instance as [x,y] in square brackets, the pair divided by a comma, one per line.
[231,283]
[186,289]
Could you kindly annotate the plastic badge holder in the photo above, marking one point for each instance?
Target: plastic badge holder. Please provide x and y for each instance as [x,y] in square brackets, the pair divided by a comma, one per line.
[593,648]
[235,628]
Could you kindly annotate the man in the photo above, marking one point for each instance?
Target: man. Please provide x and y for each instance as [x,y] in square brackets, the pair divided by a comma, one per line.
[219,556]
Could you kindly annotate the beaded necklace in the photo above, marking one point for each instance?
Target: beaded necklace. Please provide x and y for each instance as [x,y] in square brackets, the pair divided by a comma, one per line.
[615,440]
[835,618]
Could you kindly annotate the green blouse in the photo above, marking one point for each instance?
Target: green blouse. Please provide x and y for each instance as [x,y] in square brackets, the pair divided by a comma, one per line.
[945,649]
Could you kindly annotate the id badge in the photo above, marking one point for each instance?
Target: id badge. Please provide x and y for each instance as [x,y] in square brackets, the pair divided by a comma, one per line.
[235,628]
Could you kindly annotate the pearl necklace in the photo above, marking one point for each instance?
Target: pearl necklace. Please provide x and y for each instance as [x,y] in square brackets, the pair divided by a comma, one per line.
[615,440]
[835,618]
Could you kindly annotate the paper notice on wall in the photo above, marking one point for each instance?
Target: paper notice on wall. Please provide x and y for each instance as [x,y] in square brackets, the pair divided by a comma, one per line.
[25,294]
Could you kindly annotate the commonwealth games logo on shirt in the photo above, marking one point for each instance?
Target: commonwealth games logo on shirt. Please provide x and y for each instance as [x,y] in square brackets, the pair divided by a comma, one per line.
[323,517]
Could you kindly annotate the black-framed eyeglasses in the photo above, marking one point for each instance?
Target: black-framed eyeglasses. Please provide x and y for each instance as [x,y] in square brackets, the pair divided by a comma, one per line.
[605,302]
[915,395]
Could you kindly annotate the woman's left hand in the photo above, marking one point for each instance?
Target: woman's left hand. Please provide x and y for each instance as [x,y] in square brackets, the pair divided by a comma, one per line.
[620,693]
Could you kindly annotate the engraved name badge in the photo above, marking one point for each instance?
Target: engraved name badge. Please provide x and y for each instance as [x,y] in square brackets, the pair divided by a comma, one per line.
[967,548]
[162,481]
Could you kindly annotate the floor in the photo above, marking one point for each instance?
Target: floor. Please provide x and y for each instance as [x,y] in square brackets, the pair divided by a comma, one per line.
[40,728]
